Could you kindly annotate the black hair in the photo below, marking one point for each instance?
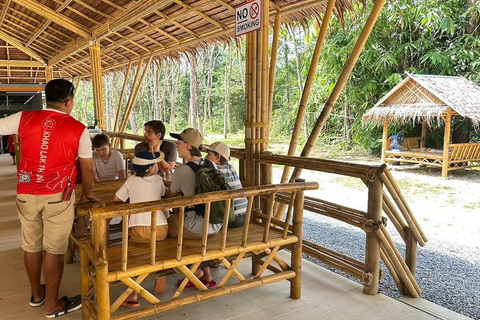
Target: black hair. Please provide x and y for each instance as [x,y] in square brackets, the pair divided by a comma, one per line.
[100,140]
[58,90]
[157,126]
[222,158]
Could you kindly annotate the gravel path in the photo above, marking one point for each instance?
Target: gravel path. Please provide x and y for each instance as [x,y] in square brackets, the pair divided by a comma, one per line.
[448,211]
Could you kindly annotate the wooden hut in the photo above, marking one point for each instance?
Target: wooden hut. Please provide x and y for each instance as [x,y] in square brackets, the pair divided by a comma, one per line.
[428,99]
[43,39]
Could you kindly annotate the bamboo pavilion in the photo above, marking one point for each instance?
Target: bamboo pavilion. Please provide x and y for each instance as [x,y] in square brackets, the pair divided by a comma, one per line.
[429,99]
[83,39]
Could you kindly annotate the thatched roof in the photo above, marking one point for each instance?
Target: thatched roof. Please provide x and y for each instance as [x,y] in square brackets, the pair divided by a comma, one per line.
[428,96]
[37,33]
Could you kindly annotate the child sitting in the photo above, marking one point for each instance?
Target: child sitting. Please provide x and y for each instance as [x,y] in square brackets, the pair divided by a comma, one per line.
[108,163]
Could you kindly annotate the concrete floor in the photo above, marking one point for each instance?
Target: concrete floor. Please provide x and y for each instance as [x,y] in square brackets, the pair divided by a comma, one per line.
[325,295]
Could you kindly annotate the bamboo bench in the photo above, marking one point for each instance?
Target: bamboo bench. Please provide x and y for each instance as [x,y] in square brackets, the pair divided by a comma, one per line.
[459,156]
[261,238]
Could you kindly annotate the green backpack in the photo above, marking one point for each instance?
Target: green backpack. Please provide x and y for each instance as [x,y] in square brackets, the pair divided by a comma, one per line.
[209,179]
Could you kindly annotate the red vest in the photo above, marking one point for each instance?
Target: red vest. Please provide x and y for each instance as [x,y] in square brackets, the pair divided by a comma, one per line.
[49,142]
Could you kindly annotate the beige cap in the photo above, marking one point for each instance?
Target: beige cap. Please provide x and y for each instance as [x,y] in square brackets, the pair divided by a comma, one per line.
[190,135]
[218,147]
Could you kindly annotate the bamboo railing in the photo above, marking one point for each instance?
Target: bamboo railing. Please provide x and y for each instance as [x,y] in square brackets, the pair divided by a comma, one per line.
[383,196]
[131,264]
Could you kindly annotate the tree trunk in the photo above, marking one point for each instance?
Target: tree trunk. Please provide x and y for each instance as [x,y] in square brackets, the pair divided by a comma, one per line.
[240,63]
[208,87]
[192,112]
[175,80]
[226,115]
[473,19]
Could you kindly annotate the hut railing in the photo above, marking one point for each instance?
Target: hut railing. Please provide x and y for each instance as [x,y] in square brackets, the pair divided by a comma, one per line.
[383,196]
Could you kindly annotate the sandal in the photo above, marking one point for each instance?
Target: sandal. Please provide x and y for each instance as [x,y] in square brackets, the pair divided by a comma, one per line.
[34,303]
[71,304]
[130,304]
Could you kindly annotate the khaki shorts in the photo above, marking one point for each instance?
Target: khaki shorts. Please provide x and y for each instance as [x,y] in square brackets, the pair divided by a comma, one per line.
[141,234]
[46,222]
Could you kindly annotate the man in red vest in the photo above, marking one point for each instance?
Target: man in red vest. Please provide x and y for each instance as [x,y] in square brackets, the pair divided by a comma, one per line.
[50,141]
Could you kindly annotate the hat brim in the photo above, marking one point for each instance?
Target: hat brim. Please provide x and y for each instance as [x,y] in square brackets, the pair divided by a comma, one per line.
[205,148]
[176,136]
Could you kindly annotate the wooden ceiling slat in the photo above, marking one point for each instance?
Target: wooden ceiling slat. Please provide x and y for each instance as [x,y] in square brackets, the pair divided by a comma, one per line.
[178,24]
[47,23]
[93,21]
[59,19]
[6,5]
[199,13]
[113,4]
[14,42]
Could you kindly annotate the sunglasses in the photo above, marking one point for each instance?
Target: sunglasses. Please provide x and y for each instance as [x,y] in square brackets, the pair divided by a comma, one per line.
[70,92]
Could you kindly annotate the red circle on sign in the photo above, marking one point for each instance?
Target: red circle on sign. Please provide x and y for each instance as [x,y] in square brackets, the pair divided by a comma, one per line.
[254,10]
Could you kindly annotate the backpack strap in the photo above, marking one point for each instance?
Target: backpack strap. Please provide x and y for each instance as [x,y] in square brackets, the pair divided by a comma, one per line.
[195,167]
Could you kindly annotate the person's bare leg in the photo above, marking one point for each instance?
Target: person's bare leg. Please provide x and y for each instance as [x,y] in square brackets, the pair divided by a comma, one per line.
[52,272]
[207,276]
[33,265]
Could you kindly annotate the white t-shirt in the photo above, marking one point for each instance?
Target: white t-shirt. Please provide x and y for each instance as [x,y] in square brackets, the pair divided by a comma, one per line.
[142,189]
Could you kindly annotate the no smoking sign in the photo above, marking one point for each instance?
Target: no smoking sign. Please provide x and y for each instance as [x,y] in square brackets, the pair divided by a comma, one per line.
[248,17]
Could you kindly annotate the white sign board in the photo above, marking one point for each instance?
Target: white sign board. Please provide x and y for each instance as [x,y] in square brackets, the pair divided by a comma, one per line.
[248,17]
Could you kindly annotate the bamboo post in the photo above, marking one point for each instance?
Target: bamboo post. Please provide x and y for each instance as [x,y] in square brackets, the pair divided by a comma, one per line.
[372,251]
[410,254]
[153,235]
[96,66]
[327,109]
[100,247]
[120,102]
[266,173]
[423,138]
[306,89]
[446,143]
[84,279]
[273,62]
[249,101]
[126,114]
[385,145]
[48,73]
[296,283]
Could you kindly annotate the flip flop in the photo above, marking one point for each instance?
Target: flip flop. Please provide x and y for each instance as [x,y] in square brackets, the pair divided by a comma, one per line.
[130,304]
[189,284]
[34,303]
[71,304]
[210,284]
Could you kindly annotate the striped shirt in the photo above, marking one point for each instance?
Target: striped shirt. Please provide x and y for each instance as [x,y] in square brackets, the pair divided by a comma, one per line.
[231,177]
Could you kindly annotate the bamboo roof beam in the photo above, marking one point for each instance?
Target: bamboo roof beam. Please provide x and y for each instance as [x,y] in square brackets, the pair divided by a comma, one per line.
[59,19]
[113,4]
[178,24]
[21,63]
[126,18]
[89,7]
[199,13]
[226,5]
[342,80]
[14,42]
[6,5]
[302,108]
[83,15]
[47,23]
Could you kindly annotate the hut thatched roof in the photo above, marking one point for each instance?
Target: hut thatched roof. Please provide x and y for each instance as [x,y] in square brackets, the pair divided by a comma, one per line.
[429,96]
[58,33]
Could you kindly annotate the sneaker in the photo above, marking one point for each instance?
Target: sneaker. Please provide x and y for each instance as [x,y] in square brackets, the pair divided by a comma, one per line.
[72,304]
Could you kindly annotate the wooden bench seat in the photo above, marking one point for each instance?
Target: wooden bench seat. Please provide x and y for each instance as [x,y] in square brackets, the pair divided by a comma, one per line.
[131,264]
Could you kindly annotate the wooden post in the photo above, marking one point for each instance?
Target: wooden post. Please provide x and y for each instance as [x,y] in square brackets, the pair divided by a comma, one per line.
[296,284]
[385,145]
[423,138]
[446,143]
[372,251]
[96,65]
[120,103]
[327,109]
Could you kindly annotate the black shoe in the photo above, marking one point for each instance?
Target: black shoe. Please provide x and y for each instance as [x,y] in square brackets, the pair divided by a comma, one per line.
[72,304]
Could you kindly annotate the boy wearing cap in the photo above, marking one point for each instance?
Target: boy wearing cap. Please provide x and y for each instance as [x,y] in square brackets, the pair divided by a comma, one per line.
[183,182]
[219,153]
